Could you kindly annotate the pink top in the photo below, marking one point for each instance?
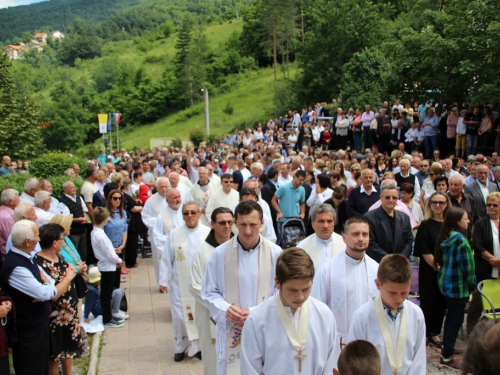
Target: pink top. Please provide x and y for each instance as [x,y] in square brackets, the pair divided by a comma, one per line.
[451,130]
[6,224]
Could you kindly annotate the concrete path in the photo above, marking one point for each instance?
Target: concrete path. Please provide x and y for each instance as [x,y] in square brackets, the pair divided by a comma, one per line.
[145,345]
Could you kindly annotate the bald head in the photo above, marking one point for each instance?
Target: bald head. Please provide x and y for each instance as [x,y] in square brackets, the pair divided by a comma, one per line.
[174,199]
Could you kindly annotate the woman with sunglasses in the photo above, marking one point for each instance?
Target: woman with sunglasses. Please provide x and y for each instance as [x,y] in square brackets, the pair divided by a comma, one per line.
[116,228]
[432,302]
[486,253]
[428,184]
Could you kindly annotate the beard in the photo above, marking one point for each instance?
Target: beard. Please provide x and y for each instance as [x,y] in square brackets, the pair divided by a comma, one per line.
[359,250]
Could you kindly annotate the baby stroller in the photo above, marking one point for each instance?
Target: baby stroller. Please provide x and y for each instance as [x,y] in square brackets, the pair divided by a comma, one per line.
[290,233]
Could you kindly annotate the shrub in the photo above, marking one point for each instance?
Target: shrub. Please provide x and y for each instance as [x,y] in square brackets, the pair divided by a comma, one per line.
[196,136]
[54,164]
[16,181]
[177,142]
[228,109]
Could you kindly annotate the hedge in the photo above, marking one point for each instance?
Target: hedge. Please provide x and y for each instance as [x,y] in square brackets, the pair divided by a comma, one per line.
[16,181]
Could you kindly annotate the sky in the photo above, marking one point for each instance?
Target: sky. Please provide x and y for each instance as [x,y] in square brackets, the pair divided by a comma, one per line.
[13,3]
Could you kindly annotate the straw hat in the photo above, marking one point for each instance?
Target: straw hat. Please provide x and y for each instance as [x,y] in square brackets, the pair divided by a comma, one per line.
[94,275]
[63,220]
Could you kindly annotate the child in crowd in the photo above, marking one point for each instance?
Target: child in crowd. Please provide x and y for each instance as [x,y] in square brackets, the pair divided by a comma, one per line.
[290,333]
[393,324]
[93,298]
[108,263]
[359,357]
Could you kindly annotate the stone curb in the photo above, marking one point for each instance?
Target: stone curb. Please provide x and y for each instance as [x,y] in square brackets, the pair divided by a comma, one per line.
[94,354]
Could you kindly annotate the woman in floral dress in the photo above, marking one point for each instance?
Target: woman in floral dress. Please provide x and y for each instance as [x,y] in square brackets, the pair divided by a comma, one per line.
[67,339]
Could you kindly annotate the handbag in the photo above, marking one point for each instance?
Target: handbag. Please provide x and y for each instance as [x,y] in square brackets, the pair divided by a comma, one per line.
[80,286]
[123,303]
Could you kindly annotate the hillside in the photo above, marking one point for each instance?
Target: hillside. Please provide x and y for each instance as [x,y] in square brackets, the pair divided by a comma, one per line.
[56,14]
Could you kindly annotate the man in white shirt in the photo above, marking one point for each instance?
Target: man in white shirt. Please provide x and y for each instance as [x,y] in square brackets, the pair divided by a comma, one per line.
[284,175]
[192,165]
[55,205]
[230,290]
[225,197]
[184,189]
[136,183]
[346,282]
[74,204]
[31,186]
[214,179]
[202,190]
[447,166]
[324,243]
[147,175]
[42,206]
[222,220]
[176,260]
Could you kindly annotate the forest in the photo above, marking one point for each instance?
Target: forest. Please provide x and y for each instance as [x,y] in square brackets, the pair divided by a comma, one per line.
[149,60]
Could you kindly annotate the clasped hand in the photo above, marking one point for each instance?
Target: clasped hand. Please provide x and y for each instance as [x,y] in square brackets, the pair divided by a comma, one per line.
[237,316]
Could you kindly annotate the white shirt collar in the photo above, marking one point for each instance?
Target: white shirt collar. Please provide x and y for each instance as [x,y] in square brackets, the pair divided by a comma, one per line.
[362,189]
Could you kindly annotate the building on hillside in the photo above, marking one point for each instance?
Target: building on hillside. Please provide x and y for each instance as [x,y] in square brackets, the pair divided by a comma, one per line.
[34,44]
[56,34]
[13,52]
[41,38]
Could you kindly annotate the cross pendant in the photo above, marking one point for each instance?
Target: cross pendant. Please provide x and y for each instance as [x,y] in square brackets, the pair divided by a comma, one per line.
[300,356]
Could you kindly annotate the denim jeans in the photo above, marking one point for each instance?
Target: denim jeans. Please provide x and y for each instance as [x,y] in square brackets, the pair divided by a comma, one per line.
[366,137]
[471,144]
[452,324]
[430,145]
[357,141]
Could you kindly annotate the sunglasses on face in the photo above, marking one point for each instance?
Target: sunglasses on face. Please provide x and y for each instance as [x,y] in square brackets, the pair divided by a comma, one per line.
[438,203]
[224,223]
[188,213]
[117,198]
[492,205]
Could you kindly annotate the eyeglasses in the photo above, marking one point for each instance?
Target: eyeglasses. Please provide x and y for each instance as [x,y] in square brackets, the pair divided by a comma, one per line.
[355,170]
[438,203]
[432,174]
[389,197]
[188,213]
[492,205]
[423,165]
[224,223]
[116,198]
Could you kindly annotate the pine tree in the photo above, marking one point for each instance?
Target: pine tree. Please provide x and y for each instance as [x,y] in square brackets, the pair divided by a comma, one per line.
[20,134]
[184,63]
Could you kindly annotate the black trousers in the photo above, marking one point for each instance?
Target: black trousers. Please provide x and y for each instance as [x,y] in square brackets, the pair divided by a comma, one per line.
[131,248]
[30,353]
[4,365]
[108,280]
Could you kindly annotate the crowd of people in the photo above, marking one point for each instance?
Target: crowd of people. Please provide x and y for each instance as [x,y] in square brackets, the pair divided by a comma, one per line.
[366,195]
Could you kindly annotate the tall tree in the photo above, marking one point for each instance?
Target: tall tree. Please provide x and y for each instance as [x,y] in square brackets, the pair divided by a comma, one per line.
[184,62]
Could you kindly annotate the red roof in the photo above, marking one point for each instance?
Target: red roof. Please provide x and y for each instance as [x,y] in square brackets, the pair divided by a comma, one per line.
[14,47]
[40,35]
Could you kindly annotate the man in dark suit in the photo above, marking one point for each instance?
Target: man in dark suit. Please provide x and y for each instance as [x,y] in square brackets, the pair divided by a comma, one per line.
[267,193]
[390,230]
[480,189]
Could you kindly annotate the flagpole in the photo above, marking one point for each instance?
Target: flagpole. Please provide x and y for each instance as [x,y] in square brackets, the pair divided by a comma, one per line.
[111,133]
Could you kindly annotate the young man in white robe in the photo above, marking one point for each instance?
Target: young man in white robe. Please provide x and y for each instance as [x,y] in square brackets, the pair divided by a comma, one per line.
[176,260]
[324,244]
[240,275]
[347,282]
[225,197]
[202,190]
[393,324]
[154,205]
[168,219]
[221,222]
[291,332]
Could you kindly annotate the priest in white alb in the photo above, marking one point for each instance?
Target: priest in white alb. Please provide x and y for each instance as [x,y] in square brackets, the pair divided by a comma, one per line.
[221,222]
[225,197]
[154,205]
[182,242]
[175,182]
[392,323]
[240,275]
[290,333]
[324,243]
[169,219]
[347,282]
[202,190]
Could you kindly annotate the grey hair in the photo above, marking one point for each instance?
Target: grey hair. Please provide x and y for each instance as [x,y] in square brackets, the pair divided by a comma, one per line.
[21,231]
[191,203]
[257,165]
[201,169]
[66,172]
[65,184]
[43,183]
[322,209]
[457,175]
[7,195]
[31,183]
[159,179]
[388,184]
[405,161]
[296,160]
[41,197]
[21,210]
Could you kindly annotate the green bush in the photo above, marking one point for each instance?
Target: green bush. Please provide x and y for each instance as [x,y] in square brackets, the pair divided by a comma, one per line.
[54,164]
[57,182]
[229,109]
[16,181]
[196,136]
[177,142]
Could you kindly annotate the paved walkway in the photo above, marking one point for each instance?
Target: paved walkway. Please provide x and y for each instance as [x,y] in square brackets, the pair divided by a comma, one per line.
[145,344]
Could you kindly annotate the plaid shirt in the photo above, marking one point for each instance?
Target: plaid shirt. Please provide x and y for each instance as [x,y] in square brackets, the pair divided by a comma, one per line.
[456,277]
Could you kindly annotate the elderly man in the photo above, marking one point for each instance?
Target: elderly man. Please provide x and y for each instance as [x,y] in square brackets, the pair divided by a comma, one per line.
[430,128]
[221,222]
[42,206]
[390,230]
[472,170]
[75,205]
[225,197]
[5,169]
[147,175]
[156,203]
[448,168]
[9,201]
[168,219]
[76,168]
[458,198]
[256,169]
[31,186]
[70,172]
[423,173]
[176,260]
[480,189]
[406,176]
[175,182]
[214,179]
[100,181]
[230,290]
[23,211]
[31,289]
[55,205]
[324,243]
[362,197]
[201,192]
[90,192]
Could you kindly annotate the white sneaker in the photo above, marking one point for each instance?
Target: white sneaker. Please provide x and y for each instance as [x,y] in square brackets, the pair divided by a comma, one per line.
[121,315]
